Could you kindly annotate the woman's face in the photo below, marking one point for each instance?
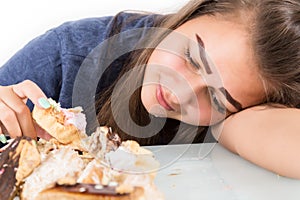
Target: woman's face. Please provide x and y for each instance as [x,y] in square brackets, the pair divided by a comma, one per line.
[202,72]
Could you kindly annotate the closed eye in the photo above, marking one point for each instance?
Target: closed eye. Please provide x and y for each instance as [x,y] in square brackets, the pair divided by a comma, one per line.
[189,58]
[216,102]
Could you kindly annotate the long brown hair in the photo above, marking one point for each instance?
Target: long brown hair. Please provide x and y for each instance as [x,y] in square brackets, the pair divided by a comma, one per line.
[274,31]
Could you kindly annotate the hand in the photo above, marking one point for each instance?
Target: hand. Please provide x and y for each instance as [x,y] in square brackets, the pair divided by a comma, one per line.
[15,116]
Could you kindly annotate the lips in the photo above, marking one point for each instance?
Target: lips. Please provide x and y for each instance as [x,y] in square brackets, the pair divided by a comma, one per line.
[161,99]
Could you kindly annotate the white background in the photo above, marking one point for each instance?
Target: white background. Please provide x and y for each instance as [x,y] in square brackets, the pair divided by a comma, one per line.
[22,20]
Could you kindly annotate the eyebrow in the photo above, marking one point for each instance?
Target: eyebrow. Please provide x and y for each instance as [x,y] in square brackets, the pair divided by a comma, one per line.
[231,100]
[208,70]
[203,58]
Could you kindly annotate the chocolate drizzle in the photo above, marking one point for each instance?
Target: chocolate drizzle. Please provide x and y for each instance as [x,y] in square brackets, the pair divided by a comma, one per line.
[114,138]
[9,163]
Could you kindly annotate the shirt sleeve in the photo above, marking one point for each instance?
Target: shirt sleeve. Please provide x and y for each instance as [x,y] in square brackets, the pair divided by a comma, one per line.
[53,59]
[39,61]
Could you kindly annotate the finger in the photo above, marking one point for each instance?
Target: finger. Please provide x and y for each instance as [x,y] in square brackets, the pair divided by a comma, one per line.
[41,133]
[9,121]
[3,139]
[3,130]
[30,90]
[22,114]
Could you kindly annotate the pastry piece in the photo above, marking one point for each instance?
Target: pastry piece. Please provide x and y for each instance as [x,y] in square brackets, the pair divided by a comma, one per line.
[64,175]
[65,125]
[89,192]
[94,173]
[17,161]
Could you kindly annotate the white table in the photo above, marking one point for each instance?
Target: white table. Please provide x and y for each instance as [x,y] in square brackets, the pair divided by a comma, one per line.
[208,171]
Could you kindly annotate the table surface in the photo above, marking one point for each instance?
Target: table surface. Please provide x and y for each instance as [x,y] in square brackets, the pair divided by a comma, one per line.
[208,171]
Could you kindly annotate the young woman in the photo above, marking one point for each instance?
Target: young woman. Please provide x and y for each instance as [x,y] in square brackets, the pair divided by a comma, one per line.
[221,59]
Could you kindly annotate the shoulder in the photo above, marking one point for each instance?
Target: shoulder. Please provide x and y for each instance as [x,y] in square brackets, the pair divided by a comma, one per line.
[83,26]
[126,20]
[123,20]
[81,36]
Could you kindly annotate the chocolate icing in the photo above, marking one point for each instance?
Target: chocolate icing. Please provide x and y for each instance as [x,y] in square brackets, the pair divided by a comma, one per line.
[90,189]
[9,162]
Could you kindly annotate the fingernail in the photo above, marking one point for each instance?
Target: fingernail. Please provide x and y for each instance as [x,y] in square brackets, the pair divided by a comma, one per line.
[3,138]
[44,103]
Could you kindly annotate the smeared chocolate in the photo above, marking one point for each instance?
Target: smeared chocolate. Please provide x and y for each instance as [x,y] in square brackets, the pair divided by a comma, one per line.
[90,189]
[114,138]
[9,163]
[103,140]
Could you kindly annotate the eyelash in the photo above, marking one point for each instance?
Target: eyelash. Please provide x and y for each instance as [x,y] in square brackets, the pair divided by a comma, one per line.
[188,57]
[216,102]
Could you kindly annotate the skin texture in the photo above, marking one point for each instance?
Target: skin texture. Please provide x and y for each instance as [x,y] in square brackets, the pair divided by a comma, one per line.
[185,91]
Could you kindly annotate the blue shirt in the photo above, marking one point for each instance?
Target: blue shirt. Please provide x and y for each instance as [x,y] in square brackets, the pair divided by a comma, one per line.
[53,59]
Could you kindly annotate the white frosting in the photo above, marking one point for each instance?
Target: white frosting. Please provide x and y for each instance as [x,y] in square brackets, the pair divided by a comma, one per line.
[75,117]
[59,164]
[129,161]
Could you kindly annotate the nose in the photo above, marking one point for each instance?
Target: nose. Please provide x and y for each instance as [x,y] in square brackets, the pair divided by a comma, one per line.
[185,89]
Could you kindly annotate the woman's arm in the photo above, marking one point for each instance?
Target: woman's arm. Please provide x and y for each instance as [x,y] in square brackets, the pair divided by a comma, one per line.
[266,136]
[38,61]
[33,72]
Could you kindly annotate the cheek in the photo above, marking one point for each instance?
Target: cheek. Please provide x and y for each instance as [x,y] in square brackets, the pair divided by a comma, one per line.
[167,59]
[205,114]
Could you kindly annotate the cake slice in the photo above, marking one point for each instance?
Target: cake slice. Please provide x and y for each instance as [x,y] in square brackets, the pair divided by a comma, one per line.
[17,161]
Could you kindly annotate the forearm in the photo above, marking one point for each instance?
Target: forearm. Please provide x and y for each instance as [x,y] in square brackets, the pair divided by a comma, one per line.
[267,137]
